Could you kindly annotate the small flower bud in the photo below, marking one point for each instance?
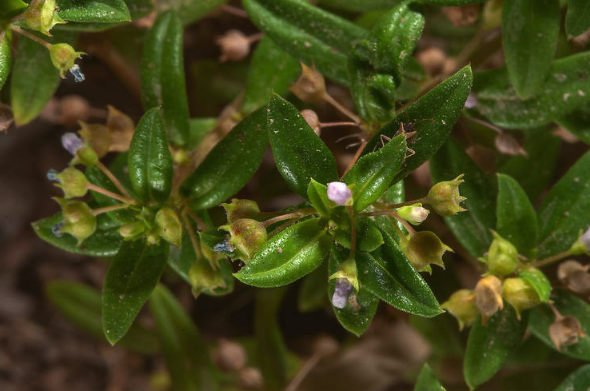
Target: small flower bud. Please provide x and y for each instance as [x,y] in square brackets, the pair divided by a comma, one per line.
[414,214]
[502,258]
[42,17]
[241,209]
[203,277]
[71,142]
[488,296]
[73,182]
[246,237]
[565,331]
[424,248]
[574,276]
[132,231]
[229,356]
[310,86]
[342,291]
[78,219]
[444,197]
[582,245]
[86,156]
[234,45]
[169,226]
[82,152]
[462,307]
[312,120]
[520,294]
[63,57]
[339,192]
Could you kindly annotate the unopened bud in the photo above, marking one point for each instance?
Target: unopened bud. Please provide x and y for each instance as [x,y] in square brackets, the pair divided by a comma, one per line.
[63,57]
[444,197]
[414,214]
[133,230]
[169,226]
[488,296]
[78,219]
[425,248]
[241,209]
[204,278]
[312,120]
[575,276]
[310,86]
[565,331]
[520,294]
[462,307]
[234,46]
[73,182]
[229,356]
[502,258]
[42,16]
[246,236]
[339,192]
[342,291]
[582,245]
[506,144]
[346,277]
[71,142]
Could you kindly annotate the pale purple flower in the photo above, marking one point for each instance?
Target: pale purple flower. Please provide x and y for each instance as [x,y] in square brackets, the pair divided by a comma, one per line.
[77,73]
[339,192]
[342,291]
[51,175]
[471,101]
[585,239]
[71,142]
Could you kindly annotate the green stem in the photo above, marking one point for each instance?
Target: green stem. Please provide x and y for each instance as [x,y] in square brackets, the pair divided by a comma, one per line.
[550,260]
[193,239]
[110,194]
[289,216]
[352,231]
[20,31]
[381,205]
[111,208]
[113,178]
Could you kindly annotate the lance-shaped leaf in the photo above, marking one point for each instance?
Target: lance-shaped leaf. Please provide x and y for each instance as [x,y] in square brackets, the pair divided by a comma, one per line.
[81,304]
[564,211]
[563,91]
[472,227]
[372,173]
[5,57]
[529,38]
[162,76]
[427,381]
[538,280]
[132,276]
[309,34]
[361,307]
[389,275]
[150,160]
[185,353]
[432,117]
[541,318]
[34,78]
[489,345]
[516,220]
[105,241]
[104,11]
[271,69]
[10,8]
[579,380]
[577,19]
[288,256]
[189,11]
[299,153]
[229,166]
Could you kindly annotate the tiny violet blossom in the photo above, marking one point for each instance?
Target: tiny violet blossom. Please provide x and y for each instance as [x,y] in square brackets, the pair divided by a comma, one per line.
[51,175]
[339,193]
[342,291]
[224,246]
[77,73]
[71,142]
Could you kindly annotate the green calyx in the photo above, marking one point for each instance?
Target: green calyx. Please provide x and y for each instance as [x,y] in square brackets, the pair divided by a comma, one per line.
[520,294]
[425,248]
[78,219]
[444,197]
[204,278]
[42,16]
[349,272]
[132,231]
[247,236]
[462,307]
[502,258]
[63,57]
[168,226]
[241,209]
[73,182]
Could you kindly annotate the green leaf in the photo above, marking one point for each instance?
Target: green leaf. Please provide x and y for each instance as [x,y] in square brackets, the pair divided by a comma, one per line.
[538,280]
[577,19]
[452,2]
[311,35]
[185,353]
[139,8]
[578,122]
[11,8]
[529,37]
[299,153]
[312,292]
[566,303]
[388,275]
[564,211]
[98,178]
[272,352]
[368,236]
[318,196]
[271,69]
[150,160]
[427,381]
[34,78]
[5,57]
[94,11]
[287,256]
[472,227]
[443,105]
[189,11]
[356,317]
[489,345]
[105,242]
[81,305]
[577,381]
[229,166]
[132,276]
[371,5]
[516,218]
[563,91]
[372,174]
[162,76]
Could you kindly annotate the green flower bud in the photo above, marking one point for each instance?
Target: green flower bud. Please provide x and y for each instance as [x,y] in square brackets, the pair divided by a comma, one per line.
[132,231]
[520,294]
[444,197]
[241,209]
[414,214]
[488,297]
[424,248]
[42,17]
[246,237]
[462,307]
[204,278]
[63,57]
[73,182]
[168,226]
[502,258]
[86,156]
[78,219]
[582,245]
